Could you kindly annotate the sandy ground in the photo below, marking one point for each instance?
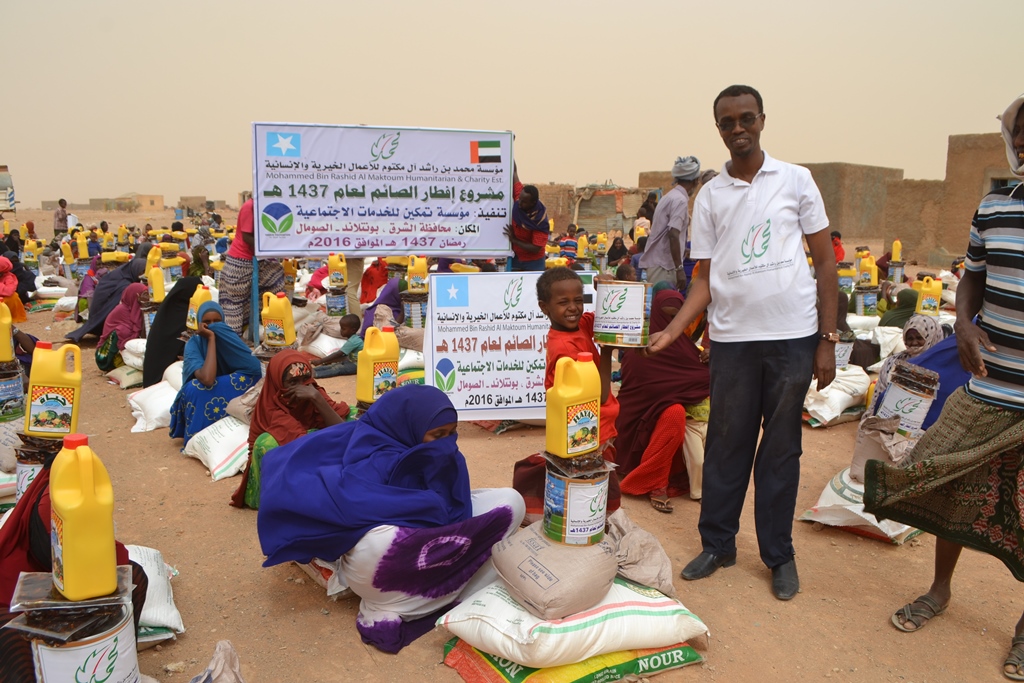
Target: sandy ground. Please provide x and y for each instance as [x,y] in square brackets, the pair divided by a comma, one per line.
[285,629]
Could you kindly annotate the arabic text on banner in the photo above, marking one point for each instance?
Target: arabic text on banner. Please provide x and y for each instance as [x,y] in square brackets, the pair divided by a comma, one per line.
[370,191]
[486,343]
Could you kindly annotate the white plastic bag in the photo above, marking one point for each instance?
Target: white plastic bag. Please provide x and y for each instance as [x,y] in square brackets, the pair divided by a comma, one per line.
[324,345]
[159,610]
[151,407]
[889,340]
[223,447]
[848,389]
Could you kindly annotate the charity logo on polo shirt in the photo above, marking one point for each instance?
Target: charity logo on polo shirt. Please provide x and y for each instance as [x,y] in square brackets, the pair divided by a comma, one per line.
[755,244]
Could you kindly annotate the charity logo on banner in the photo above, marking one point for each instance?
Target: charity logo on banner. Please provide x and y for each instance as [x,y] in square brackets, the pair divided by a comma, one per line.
[372,191]
[485,343]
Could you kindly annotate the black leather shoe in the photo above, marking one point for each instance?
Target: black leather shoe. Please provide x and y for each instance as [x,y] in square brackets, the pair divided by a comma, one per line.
[706,564]
[785,582]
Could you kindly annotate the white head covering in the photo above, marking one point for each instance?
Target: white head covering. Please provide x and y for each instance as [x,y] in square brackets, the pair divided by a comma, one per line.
[1008,118]
[686,168]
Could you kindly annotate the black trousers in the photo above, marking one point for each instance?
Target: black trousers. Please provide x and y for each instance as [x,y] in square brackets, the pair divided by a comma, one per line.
[755,385]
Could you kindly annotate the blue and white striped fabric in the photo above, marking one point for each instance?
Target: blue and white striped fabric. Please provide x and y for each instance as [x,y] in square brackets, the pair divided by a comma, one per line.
[997,249]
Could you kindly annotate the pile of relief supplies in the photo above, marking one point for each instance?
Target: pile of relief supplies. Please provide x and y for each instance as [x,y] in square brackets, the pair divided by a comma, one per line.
[572,614]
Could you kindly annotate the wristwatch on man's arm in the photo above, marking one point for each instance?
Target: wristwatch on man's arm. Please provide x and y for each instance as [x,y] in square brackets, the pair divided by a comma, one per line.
[832,337]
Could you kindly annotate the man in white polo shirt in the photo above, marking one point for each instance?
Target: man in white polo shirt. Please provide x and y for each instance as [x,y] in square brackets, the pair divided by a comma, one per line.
[749,227]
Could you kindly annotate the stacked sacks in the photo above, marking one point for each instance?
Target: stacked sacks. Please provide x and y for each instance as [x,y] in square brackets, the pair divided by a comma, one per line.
[525,621]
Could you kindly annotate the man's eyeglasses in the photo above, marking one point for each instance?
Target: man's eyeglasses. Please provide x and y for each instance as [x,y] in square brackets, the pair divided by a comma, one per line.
[747,121]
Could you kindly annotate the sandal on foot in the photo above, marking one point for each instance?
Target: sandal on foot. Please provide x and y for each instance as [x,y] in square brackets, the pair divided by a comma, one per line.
[660,501]
[1015,659]
[918,613]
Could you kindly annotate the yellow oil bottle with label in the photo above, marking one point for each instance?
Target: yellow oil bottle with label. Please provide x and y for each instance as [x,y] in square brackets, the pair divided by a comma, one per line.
[337,271]
[278,323]
[291,270]
[377,364]
[69,260]
[155,282]
[868,276]
[602,243]
[897,250]
[847,276]
[574,408]
[82,522]
[122,234]
[199,297]
[107,241]
[6,334]
[32,251]
[417,274]
[54,391]
[929,298]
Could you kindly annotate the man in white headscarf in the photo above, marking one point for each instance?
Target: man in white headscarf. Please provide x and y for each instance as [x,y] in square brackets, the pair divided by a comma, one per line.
[663,257]
[962,480]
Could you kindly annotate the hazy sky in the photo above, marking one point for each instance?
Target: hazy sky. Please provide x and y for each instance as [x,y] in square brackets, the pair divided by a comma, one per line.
[104,97]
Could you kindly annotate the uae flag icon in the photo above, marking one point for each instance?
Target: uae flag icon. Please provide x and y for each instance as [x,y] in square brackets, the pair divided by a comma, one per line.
[485,152]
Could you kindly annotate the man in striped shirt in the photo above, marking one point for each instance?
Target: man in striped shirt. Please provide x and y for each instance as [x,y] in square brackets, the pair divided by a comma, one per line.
[962,480]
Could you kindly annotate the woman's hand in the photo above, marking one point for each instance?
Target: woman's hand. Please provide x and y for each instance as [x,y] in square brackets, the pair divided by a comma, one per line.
[300,392]
[205,332]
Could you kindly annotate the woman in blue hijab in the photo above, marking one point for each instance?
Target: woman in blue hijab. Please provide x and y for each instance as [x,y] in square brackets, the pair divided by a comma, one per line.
[218,366]
[388,495]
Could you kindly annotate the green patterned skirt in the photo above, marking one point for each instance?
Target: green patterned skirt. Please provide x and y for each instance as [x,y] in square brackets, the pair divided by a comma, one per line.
[964,481]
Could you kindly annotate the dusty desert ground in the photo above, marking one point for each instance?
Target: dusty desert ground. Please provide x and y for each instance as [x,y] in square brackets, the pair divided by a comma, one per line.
[285,629]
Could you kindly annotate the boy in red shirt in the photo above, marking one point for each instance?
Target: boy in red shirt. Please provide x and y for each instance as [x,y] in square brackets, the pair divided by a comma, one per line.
[560,295]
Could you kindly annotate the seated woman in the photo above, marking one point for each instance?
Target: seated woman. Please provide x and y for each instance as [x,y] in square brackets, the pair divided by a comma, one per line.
[389,495]
[164,345]
[88,286]
[921,333]
[617,253]
[107,295]
[26,278]
[906,303]
[218,367]
[9,291]
[390,296]
[122,325]
[25,547]
[652,424]
[290,404]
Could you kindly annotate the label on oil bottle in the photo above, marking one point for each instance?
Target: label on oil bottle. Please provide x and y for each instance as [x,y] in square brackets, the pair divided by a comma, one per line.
[929,305]
[273,329]
[385,377]
[337,278]
[50,409]
[57,548]
[193,311]
[581,427]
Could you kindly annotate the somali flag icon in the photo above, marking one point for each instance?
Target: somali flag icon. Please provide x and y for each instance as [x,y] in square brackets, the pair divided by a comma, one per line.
[284,144]
[452,292]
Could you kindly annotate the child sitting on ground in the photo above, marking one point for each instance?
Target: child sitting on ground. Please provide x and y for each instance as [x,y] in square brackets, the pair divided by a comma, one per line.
[560,296]
[342,361]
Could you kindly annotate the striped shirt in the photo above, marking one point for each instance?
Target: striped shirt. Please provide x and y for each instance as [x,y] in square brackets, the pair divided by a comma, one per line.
[997,249]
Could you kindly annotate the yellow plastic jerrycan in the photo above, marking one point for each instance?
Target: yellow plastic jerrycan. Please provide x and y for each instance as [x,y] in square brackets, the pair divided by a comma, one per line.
[278,324]
[115,257]
[83,244]
[847,276]
[82,522]
[291,270]
[199,297]
[897,250]
[6,333]
[108,241]
[155,282]
[561,261]
[172,267]
[69,256]
[377,364]
[31,258]
[639,231]
[552,249]
[868,271]
[574,408]
[181,237]
[337,270]
[54,391]
[929,298]
[153,258]
[122,234]
[417,274]
[464,268]
[602,242]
